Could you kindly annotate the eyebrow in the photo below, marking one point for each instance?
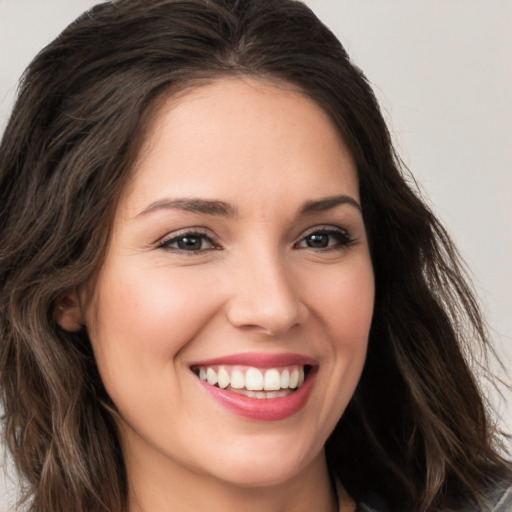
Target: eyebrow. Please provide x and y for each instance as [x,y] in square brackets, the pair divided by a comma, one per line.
[215,207]
[205,206]
[327,203]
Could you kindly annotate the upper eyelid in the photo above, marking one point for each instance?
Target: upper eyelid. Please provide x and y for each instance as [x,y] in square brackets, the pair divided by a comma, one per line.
[324,227]
[188,231]
[345,234]
[203,232]
[214,239]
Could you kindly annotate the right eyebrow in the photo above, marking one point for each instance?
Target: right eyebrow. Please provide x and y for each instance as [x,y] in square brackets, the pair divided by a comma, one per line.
[197,205]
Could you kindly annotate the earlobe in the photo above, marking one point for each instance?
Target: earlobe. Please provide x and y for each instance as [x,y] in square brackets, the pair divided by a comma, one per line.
[68,312]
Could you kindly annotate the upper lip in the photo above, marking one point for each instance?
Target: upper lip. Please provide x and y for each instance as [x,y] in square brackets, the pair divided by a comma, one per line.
[259,360]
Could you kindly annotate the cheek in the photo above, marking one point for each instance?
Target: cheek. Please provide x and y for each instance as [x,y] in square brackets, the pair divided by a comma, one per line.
[140,320]
[345,303]
[341,300]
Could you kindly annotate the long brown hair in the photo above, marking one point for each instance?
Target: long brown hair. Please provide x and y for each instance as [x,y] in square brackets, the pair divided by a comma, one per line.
[417,430]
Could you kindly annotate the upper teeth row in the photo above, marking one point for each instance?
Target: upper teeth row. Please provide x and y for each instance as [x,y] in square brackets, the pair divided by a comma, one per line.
[253,379]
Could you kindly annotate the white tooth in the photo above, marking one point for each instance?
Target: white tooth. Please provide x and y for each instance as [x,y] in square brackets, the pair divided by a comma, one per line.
[202,373]
[237,379]
[281,393]
[272,394]
[285,379]
[251,394]
[223,378]
[294,378]
[301,376]
[254,379]
[272,380]
[260,396]
[211,376]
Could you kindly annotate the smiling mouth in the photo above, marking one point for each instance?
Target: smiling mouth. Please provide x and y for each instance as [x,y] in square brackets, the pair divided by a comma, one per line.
[260,383]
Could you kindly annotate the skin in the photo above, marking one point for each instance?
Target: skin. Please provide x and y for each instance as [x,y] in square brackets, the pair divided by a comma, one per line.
[258,286]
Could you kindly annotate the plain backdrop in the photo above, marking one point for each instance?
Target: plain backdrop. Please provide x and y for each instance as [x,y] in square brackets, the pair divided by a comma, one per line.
[442,70]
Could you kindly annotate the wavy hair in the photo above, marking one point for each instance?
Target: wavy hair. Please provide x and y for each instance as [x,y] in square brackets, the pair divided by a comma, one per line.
[417,430]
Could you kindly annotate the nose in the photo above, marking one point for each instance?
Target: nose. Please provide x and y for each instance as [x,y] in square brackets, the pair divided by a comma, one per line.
[264,297]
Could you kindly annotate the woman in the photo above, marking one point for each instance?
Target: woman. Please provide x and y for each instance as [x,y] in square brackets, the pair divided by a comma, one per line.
[218,291]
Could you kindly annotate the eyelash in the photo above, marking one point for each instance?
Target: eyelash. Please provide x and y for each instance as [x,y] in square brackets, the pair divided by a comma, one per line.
[341,236]
[177,237]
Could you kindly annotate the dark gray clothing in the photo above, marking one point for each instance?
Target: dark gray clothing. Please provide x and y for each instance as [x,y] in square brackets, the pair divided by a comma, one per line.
[500,502]
[503,503]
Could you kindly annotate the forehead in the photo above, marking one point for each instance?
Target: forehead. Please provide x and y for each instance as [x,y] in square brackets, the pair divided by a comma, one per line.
[236,134]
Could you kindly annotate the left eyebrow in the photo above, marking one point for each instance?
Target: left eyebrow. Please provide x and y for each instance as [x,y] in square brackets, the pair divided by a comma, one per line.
[327,203]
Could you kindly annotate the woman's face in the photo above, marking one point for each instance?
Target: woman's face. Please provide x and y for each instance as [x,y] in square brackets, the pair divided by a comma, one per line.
[238,261]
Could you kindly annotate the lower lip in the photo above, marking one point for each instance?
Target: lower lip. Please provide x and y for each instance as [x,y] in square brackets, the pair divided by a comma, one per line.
[265,409]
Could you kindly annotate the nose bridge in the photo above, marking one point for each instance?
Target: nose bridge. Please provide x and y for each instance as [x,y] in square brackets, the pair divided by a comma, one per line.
[263,293]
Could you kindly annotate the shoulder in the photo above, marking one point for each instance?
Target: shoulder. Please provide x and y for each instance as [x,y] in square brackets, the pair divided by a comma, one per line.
[372,503]
[503,501]
[500,501]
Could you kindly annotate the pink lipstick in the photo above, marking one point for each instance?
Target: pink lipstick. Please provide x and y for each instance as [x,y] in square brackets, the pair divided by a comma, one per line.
[265,387]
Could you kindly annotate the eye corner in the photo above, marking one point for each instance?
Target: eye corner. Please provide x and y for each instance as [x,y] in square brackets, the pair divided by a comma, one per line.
[191,241]
[324,238]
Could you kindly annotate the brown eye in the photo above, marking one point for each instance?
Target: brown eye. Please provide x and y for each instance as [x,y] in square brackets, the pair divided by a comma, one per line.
[318,240]
[188,242]
[325,239]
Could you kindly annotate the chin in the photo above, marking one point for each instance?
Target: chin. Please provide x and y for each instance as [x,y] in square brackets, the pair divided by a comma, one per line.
[264,466]
[260,475]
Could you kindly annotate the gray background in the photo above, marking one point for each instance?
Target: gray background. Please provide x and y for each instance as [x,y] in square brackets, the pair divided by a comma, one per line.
[442,70]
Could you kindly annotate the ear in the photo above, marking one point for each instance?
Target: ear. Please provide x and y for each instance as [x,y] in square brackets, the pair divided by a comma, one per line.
[68,312]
